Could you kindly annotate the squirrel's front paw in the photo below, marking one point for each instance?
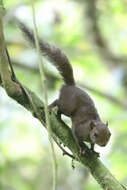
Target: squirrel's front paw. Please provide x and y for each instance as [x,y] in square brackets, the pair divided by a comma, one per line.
[83,151]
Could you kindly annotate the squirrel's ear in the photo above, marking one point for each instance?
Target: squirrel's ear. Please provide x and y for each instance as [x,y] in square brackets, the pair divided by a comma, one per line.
[106,123]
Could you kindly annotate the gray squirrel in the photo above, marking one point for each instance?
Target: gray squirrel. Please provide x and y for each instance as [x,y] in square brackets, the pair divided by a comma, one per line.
[72,101]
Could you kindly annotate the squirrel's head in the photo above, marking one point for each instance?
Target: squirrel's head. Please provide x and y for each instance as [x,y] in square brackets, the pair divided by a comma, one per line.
[99,133]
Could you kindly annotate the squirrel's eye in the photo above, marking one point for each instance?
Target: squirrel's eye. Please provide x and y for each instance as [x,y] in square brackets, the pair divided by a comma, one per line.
[95,134]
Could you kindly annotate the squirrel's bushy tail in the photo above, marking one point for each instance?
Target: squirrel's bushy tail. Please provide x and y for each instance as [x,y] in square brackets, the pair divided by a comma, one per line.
[53,54]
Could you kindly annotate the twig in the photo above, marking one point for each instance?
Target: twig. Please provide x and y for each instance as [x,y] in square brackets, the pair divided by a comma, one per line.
[64,151]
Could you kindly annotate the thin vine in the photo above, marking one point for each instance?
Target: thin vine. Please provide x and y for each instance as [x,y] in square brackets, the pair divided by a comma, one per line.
[43,80]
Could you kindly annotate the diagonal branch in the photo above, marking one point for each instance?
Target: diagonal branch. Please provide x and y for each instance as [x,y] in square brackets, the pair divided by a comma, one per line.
[10,86]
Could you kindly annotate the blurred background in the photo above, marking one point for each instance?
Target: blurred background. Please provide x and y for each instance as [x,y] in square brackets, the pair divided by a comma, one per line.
[93,34]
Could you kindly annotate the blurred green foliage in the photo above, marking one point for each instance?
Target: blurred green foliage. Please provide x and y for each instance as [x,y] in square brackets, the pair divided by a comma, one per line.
[25,162]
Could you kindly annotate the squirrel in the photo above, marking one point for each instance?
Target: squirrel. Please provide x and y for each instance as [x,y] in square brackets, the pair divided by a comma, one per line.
[73,101]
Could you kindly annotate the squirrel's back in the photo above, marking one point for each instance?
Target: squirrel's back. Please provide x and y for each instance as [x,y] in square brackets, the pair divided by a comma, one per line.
[73,100]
